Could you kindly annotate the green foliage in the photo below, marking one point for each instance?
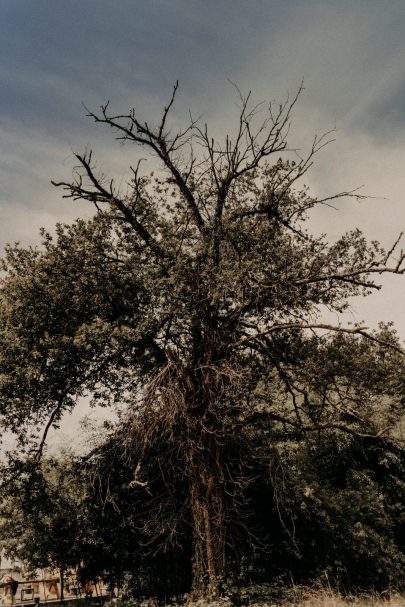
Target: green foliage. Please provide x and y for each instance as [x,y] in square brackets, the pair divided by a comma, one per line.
[346,517]
[38,519]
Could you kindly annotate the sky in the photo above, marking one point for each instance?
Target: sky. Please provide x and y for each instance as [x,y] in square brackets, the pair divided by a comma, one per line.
[57,57]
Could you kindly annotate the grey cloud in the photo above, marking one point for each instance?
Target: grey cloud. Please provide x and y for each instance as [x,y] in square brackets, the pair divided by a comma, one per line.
[56,55]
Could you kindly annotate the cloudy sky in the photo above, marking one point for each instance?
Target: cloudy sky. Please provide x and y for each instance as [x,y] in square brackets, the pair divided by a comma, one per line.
[57,56]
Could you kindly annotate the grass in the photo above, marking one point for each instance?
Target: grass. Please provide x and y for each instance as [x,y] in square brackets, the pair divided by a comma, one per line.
[299,596]
[306,597]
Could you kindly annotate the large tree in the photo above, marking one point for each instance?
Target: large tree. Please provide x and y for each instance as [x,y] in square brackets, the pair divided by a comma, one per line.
[197,296]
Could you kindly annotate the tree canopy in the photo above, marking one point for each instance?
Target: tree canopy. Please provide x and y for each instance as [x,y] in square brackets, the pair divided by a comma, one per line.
[196,297]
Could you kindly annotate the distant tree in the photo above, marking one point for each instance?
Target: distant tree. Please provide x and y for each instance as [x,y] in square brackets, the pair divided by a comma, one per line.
[39,517]
[197,298]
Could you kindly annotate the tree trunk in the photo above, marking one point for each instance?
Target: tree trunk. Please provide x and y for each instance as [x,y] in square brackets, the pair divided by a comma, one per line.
[208,513]
[204,456]
[62,583]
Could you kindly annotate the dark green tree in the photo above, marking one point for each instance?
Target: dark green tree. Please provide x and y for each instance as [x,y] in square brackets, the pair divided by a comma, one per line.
[197,298]
[39,523]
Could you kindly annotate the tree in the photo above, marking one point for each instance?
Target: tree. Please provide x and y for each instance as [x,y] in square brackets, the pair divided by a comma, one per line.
[195,296]
[333,505]
[39,517]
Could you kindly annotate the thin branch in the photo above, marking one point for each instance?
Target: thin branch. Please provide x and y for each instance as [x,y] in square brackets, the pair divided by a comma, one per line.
[314,428]
[101,195]
[312,326]
[56,411]
[158,142]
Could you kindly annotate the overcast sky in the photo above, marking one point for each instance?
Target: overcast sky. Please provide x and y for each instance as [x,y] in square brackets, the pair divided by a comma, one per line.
[57,56]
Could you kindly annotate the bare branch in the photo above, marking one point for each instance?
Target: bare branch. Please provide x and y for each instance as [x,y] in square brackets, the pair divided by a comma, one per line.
[302,428]
[100,195]
[55,413]
[141,133]
[313,326]
[167,109]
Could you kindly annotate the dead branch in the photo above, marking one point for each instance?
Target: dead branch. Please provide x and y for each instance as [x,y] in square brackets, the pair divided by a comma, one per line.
[362,331]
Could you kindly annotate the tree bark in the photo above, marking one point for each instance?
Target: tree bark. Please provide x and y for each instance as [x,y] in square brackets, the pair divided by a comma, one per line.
[62,583]
[208,514]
